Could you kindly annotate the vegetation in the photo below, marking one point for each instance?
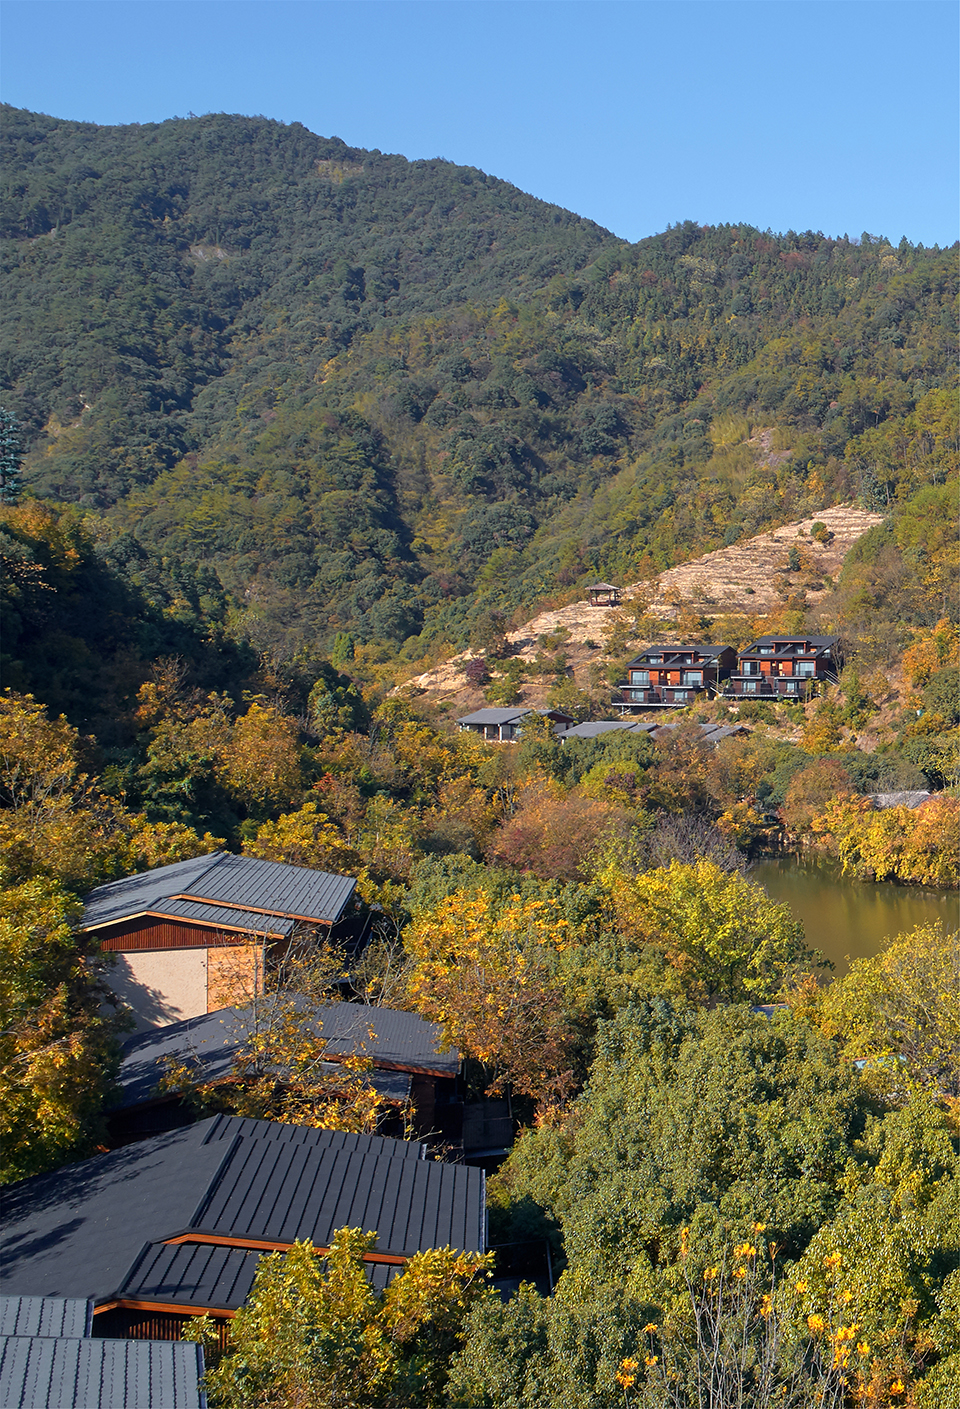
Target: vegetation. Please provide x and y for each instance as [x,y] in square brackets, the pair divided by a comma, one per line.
[339,395]
[286,418]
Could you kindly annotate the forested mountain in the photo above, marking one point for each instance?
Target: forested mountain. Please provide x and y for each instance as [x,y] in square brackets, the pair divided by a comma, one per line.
[295,388]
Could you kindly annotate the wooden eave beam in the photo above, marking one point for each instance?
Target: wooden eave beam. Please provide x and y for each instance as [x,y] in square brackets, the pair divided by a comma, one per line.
[385,1259]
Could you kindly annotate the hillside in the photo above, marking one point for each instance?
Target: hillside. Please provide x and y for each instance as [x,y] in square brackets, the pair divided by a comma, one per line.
[729,580]
[303,393]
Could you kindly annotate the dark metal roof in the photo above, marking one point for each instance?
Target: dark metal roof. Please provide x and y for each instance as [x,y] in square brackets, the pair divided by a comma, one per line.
[228,1127]
[75,1232]
[594,728]
[493,716]
[273,886]
[389,1037]
[227,917]
[221,885]
[41,1372]
[705,653]
[392,1040]
[199,1276]
[787,645]
[45,1316]
[277,1193]
[203,1276]
[81,1231]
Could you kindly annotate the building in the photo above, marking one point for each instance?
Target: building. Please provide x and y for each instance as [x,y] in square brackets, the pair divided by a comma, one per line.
[182,933]
[786,667]
[175,1226]
[603,594]
[502,725]
[408,1068]
[51,1359]
[669,677]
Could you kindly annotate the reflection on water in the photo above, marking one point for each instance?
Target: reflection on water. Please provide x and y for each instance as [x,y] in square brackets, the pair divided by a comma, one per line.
[847,918]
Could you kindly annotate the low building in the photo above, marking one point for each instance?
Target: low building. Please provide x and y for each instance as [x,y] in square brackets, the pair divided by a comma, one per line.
[670,677]
[50,1358]
[504,725]
[174,1227]
[182,933]
[408,1069]
[786,667]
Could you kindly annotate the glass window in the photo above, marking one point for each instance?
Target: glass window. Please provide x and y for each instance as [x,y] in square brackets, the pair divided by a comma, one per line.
[639,677]
[692,677]
[750,687]
[805,667]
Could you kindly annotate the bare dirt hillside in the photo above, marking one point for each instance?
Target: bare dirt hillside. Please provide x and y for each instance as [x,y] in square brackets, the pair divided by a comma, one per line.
[754,577]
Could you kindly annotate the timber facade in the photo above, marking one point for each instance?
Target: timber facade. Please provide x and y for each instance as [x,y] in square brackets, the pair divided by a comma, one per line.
[670,677]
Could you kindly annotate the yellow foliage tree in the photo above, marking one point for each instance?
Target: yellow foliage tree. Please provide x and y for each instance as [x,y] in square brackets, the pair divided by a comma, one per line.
[54,821]
[315,1333]
[57,1047]
[260,762]
[918,845]
[491,977]
[900,1010]
[305,838]
[722,933]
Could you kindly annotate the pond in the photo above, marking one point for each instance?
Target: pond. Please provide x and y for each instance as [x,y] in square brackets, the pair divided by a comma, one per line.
[845,918]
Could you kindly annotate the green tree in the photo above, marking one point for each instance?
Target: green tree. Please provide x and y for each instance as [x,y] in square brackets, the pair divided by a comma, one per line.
[11,457]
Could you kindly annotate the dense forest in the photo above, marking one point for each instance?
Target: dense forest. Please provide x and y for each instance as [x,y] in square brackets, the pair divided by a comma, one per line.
[295,389]
[284,420]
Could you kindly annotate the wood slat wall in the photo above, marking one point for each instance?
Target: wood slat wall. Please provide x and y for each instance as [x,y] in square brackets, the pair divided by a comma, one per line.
[128,936]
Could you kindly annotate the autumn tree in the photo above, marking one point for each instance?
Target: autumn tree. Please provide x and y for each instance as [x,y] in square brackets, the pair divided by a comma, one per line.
[54,821]
[554,834]
[899,1011]
[57,1031]
[811,789]
[281,1068]
[919,845]
[723,934]
[490,975]
[259,761]
[313,1331]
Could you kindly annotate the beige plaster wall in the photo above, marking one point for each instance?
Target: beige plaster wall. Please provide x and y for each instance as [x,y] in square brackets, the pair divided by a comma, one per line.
[161,985]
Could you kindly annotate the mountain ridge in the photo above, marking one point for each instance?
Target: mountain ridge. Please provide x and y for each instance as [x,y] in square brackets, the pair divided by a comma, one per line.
[305,391]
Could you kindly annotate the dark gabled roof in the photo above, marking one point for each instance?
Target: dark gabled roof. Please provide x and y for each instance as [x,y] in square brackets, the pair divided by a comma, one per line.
[272,1193]
[593,729]
[706,653]
[75,1232]
[396,1042]
[83,1230]
[389,1037]
[223,889]
[41,1372]
[817,643]
[45,1316]
[207,1277]
[507,716]
[196,1276]
[494,716]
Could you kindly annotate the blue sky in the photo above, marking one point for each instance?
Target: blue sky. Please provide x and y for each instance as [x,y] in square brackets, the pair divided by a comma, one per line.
[833,115]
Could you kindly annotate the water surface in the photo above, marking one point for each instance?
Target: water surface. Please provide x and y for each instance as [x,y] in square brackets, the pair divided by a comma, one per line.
[848,919]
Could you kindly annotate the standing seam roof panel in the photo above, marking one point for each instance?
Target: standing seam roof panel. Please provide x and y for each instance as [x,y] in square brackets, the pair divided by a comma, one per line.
[45,1316]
